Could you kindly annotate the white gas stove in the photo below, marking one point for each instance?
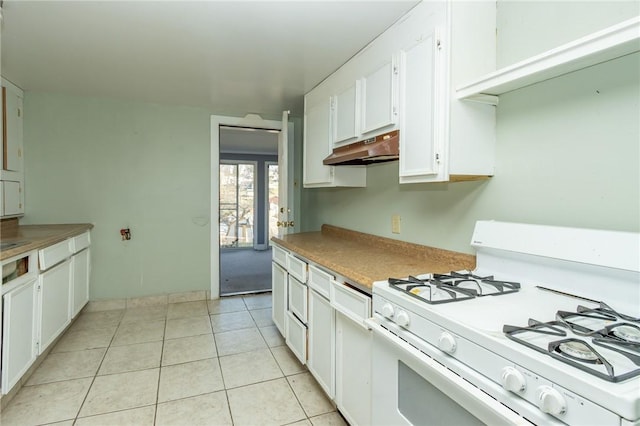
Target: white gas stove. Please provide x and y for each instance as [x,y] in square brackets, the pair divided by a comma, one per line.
[527,329]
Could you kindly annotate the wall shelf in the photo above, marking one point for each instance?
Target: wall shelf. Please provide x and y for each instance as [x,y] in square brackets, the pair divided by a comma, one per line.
[613,42]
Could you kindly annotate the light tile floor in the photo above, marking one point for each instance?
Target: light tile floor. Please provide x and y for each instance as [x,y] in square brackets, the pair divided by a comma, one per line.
[219,362]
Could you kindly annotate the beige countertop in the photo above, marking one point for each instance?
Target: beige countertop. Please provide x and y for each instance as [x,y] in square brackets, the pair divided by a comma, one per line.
[365,258]
[38,236]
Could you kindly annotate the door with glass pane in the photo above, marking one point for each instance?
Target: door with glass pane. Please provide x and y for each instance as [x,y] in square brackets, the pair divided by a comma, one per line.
[272,200]
[237,204]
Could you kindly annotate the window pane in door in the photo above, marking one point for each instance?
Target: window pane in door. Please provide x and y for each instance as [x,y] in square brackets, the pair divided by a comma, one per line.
[272,183]
[246,214]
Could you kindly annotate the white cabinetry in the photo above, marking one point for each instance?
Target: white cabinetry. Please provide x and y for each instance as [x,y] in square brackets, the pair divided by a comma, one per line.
[39,303]
[406,78]
[321,357]
[279,296]
[55,311]
[19,332]
[11,158]
[353,370]
[318,145]
[344,113]
[378,100]
[353,353]
[325,330]
[11,198]
[81,263]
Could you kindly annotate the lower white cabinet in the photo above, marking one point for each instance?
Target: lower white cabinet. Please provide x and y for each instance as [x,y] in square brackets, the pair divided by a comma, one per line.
[296,337]
[353,370]
[55,311]
[279,296]
[19,332]
[80,289]
[321,356]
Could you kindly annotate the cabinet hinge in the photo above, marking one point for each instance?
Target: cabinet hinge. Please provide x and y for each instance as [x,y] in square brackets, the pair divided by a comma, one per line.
[395,111]
[439,44]
[395,69]
[19,152]
[437,157]
[19,112]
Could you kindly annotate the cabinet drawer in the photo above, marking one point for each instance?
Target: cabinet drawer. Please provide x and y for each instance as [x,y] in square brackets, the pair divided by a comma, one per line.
[54,254]
[351,303]
[297,337]
[298,299]
[279,256]
[297,268]
[80,242]
[320,281]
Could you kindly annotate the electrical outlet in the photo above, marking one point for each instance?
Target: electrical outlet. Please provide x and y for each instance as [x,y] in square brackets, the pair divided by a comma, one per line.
[395,223]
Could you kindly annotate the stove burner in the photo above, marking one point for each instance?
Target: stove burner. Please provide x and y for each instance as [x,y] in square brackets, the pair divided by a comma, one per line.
[578,350]
[452,287]
[430,290]
[617,359]
[484,286]
[627,332]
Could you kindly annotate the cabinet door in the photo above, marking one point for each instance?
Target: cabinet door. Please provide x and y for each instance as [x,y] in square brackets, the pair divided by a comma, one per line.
[344,108]
[321,362]
[81,266]
[317,145]
[19,330]
[13,131]
[379,98]
[12,198]
[421,128]
[296,337]
[353,370]
[298,299]
[54,302]
[279,297]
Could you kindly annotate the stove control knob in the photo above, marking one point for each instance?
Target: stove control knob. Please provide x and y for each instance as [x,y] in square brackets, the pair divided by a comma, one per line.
[402,319]
[447,343]
[551,401]
[512,380]
[387,310]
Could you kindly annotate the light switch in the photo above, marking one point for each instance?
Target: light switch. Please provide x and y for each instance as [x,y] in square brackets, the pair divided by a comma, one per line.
[395,223]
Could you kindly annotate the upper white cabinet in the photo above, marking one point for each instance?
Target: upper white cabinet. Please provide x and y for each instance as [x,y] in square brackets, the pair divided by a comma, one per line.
[379,98]
[11,155]
[318,145]
[420,139]
[405,80]
[344,113]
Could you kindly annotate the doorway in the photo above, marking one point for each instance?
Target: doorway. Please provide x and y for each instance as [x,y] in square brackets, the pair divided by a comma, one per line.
[220,151]
[244,220]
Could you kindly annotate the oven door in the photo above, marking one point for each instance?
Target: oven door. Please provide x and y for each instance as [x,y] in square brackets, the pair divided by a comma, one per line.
[411,388]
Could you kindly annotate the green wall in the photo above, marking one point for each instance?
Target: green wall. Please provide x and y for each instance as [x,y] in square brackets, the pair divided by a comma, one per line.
[124,164]
[567,150]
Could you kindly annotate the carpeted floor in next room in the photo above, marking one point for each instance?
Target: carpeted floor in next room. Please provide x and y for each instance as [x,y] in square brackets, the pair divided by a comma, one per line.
[244,270]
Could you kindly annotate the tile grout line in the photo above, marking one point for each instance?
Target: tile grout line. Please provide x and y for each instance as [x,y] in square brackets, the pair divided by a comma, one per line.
[98,369]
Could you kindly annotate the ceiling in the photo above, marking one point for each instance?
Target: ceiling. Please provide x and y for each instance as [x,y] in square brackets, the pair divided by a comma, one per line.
[231,57]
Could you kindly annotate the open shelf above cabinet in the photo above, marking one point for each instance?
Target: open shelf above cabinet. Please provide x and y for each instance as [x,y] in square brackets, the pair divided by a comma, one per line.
[613,42]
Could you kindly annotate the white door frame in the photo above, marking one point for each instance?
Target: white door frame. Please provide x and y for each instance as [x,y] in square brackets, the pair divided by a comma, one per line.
[250,120]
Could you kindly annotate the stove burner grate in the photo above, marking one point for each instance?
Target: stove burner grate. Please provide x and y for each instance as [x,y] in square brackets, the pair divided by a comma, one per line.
[577,351]
[430,290]
[485,286]
[452,287]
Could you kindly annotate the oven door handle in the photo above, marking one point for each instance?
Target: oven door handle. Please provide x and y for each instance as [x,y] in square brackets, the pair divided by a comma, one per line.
[474,400]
